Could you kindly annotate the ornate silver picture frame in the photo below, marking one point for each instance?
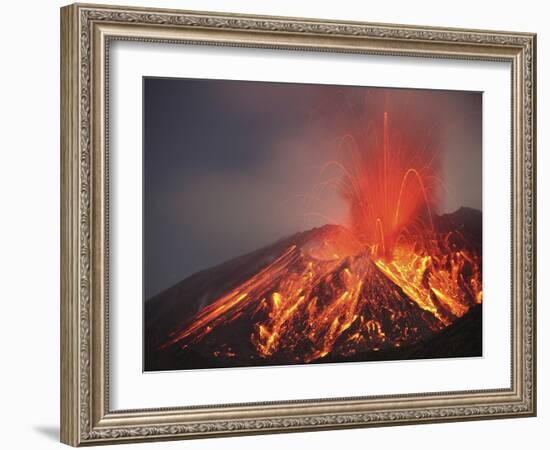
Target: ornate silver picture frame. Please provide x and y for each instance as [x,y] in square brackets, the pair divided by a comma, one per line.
[87,33]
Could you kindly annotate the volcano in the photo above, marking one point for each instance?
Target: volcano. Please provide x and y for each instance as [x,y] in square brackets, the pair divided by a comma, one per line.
[319,296]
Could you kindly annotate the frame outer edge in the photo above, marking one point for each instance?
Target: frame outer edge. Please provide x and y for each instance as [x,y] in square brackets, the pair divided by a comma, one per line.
[533,168]
[81,414]
[535,230]
[69,314]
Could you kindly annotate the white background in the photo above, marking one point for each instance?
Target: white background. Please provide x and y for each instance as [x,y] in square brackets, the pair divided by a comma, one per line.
[132,389]
[29,226]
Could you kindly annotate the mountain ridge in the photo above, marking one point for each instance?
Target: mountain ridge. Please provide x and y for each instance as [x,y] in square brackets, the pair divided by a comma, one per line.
[175,306]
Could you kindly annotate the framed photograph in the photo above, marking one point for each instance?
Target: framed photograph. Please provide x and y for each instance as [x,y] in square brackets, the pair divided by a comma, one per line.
[276,225]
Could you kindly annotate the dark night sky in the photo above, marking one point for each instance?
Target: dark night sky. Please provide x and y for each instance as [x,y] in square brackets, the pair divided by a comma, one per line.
[227,163]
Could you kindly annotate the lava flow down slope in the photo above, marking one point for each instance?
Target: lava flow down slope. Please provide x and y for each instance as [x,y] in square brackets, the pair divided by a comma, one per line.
[395,282]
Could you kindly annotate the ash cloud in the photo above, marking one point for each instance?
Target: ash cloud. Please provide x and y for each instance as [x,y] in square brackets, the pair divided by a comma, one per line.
[229,166]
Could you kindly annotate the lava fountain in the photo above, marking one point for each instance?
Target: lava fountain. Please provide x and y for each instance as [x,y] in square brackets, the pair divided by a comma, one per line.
[390,186]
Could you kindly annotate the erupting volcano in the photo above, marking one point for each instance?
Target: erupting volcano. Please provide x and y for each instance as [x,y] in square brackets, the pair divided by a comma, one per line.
[394,281]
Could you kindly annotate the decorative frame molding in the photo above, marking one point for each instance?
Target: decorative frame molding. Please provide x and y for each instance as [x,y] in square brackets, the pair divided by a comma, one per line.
[86,31]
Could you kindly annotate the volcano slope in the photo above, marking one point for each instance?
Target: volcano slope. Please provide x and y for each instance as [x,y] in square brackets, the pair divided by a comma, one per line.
[316,298]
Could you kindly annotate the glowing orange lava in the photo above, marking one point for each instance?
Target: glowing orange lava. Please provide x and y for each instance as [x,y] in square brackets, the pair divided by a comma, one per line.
[389,187]
[387,279]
